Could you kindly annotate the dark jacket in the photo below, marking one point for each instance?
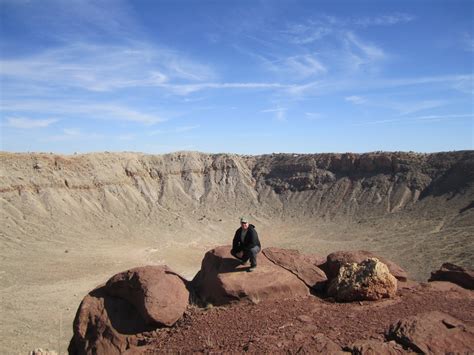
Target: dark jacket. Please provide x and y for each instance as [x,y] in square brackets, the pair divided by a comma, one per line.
[250,240]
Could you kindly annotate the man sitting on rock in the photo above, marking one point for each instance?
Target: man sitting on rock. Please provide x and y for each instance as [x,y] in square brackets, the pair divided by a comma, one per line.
[246,244]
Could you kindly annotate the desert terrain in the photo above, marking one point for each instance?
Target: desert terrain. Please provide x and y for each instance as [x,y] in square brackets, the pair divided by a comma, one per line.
[70,222]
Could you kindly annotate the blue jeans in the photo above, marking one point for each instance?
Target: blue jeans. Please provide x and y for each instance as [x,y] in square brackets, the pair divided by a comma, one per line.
[247,254]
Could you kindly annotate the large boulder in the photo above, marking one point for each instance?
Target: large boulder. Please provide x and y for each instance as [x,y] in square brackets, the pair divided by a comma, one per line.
[106,325]
[433,332]
[222,279]
[455,274]
[118,316]
[369,280]
[303,266]
[335,260]
[158,293]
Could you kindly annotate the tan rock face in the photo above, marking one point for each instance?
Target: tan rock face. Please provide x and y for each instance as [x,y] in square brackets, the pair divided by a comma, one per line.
[337,259]
[368,280]
[223,280]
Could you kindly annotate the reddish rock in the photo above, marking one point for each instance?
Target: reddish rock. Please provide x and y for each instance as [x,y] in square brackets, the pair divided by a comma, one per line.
[455,274]
[106,325]
[223,280]
[303,266]
[368,280]
[375,347]
[335,260]
[433,332]
[118,316]
[159,294]
[323,345]
[446,286]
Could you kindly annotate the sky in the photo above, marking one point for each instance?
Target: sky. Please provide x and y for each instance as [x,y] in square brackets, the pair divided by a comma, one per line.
[245,77]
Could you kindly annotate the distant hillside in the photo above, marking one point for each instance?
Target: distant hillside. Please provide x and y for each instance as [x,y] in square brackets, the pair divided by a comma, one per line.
[131,186]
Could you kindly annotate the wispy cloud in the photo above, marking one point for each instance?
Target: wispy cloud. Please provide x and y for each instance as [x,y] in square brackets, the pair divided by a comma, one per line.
[179,129]
[279,113]
[406,108]
[358,100]
[403,107]
[468,42]
[377,122]
[96,67]
[187,128]
[301,66]
[437,118]
[416,119]
[313,116]
[28,123]
[382,20]
[185,89]
[72,134]
[321,26]
[81,109]
[307,33]
[126,137]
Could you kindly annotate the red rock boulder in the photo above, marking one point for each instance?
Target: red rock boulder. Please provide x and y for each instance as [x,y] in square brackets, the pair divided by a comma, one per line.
[222,279]
[119,316]
[159,294]
[302,266]
[433,332]
[455,274]
[106,325]
[335,260]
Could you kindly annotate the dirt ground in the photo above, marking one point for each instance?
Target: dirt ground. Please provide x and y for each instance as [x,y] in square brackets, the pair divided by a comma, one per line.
[292,326]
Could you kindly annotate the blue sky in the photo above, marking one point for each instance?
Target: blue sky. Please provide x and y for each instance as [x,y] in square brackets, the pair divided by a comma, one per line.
[247,77]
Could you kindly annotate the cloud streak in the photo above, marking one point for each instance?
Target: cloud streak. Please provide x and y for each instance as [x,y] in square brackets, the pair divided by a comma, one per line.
[28,123]
[95,67]
[81,109]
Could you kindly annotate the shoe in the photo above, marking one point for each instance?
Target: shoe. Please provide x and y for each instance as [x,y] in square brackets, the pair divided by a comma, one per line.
[251,269]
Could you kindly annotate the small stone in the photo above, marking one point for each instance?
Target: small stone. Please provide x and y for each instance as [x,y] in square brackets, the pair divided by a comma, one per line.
[304,318]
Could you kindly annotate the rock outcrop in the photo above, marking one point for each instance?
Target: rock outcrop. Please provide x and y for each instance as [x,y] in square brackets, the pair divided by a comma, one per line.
[159,294]
[223,280]
[301,265]
[126,315]
[337,259]
[433,332]
[368,280]
[117,316]
[106,325]
[456,274]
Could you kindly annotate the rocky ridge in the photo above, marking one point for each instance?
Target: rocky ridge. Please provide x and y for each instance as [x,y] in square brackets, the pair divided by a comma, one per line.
[258,306]
[341,183]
